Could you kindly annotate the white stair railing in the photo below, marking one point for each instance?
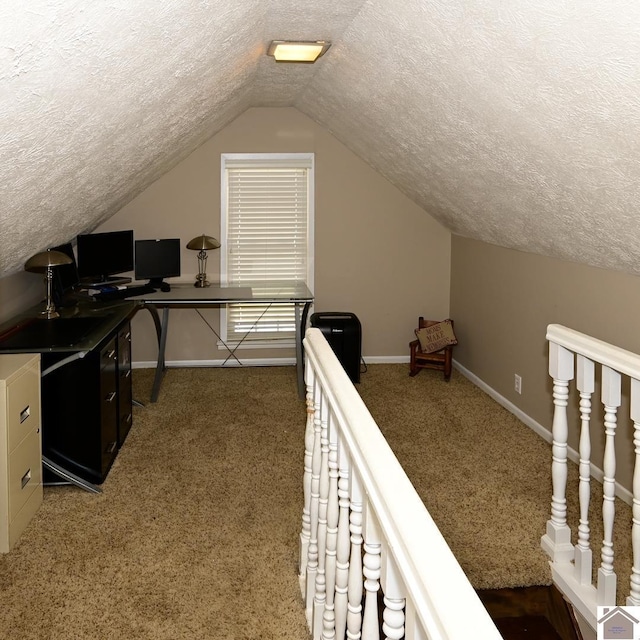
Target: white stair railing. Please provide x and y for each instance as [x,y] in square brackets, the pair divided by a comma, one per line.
[366,536]
[575,354]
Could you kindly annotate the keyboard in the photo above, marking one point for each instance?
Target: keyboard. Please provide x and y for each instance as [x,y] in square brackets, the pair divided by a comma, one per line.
[122,294]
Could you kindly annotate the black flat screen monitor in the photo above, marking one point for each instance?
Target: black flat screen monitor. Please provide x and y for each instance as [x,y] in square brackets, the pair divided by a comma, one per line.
[156,260]
[101,255]
[65,277]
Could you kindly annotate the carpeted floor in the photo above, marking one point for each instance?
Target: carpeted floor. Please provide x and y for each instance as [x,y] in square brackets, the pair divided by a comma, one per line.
[196,532]
[484,476]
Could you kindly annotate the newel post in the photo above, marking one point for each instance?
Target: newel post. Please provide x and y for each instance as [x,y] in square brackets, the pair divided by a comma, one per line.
[557,540]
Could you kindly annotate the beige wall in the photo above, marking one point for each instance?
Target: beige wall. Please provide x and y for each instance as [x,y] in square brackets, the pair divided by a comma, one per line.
[502,301]
[377,254]
[19,291]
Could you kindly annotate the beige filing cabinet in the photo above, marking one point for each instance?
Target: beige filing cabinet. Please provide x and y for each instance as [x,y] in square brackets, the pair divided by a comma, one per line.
[20,445]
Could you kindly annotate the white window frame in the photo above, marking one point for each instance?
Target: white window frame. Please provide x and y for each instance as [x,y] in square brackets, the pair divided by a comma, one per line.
[258,339]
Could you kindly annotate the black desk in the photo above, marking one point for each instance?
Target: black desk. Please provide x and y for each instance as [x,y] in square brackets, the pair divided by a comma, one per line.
[78,346]
[83,354]
[187,296]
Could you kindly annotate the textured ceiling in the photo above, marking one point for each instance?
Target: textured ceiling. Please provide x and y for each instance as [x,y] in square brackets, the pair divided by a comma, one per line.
[511,122]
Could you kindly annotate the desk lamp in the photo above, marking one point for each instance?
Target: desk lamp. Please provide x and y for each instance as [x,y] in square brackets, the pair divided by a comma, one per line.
[43,262]
[202,244]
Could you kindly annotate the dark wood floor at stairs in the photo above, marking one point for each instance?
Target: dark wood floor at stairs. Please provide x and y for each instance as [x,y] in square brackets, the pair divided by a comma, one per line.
[539,613]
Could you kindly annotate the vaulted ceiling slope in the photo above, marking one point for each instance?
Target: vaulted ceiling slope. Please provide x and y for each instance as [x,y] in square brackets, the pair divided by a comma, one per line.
[515,123]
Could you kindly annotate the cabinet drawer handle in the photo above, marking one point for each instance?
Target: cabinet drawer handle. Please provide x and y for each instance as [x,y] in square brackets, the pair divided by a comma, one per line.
[128,419]
[128,373]
[25,413]
[26,478]
[111,396]
[127,335]
[111,447]
[112,354]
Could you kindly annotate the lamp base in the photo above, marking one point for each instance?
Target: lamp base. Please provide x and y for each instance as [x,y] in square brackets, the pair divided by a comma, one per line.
[49,314]
[50,310]
[201,281]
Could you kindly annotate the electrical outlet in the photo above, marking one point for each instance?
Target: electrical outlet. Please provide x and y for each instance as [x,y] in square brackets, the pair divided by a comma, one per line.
[518,383]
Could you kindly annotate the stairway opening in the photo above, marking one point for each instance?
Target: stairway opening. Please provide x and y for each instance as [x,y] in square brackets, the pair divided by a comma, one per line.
[530,612]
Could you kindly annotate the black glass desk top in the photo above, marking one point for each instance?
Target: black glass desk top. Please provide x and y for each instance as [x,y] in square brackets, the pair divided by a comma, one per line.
[61,332]
[80,329]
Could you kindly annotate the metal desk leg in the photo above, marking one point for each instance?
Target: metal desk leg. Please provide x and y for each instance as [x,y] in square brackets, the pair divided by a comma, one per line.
[162,343]
[301,325]
[68,477]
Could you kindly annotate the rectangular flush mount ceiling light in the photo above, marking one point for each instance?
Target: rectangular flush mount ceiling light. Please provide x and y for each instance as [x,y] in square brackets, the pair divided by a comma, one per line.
[288,51]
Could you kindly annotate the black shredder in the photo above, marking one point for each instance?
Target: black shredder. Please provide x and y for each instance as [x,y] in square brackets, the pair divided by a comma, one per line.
[343,332]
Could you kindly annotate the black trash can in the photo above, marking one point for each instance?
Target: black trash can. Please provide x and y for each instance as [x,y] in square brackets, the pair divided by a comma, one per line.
[343,332]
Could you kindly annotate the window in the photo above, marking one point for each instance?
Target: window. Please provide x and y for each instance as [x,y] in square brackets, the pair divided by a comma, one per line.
[267,234]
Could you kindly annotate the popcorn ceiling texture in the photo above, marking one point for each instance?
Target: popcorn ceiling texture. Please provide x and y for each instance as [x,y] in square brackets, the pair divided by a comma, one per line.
[513,123]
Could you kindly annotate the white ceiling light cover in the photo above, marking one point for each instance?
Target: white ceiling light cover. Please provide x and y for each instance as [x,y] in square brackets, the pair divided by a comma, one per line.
[288,51]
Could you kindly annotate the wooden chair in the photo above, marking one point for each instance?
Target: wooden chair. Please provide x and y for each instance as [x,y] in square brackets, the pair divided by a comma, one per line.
[439,360]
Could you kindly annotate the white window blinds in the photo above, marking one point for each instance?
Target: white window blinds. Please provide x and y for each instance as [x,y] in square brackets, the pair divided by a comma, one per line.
[267,223]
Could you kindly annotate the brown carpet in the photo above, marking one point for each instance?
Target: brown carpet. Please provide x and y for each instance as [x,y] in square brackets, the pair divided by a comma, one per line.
[196,533]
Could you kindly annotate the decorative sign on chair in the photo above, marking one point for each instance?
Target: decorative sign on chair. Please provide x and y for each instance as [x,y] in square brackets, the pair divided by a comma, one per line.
[436,337]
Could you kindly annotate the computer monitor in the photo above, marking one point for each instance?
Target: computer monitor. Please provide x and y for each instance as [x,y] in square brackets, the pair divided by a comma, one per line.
[65,277]
[103,255]
[156,260]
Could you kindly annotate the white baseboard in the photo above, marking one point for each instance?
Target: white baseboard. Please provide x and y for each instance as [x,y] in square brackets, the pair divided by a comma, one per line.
[543,432]
[624,494]
[254,362]
[385,359]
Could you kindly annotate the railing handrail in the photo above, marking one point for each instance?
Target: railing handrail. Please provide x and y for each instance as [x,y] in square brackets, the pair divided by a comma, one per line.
[607,354]
[445,602]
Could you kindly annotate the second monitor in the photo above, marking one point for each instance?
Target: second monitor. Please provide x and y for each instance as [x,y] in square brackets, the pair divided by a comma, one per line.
[156,260]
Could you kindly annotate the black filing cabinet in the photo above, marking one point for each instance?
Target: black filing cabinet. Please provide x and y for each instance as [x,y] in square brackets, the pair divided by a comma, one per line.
[343,332]
[84,403]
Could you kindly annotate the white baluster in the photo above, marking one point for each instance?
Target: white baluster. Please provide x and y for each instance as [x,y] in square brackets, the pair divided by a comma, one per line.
[611,397]
[329,618]
[393,618]
[413,629]
[343,544]
[633,600]
[394,598]
[370,628]
[306,477]
[559,454]
[316,463]
[354,589]
[585,382]
[557,540]
[323,502]
[371,561]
